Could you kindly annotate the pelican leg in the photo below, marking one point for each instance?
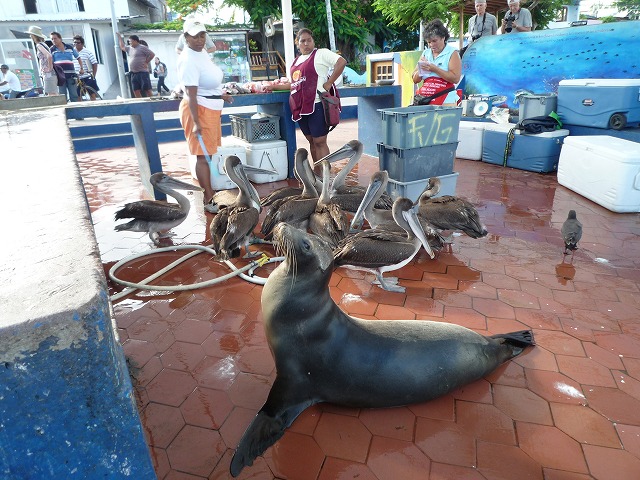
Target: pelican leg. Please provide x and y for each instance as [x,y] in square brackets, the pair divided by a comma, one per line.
[155,238]
[389,284]
[257,240]
[167,234]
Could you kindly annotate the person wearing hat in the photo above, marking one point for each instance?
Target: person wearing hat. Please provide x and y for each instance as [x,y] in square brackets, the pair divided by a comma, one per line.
[517,19]
[201,107]
[209,46]
[482,23]
[45,61]
[9,82]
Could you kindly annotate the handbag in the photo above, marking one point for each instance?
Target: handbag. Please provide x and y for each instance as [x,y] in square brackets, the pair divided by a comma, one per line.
[62,78]
[426,100]
[331,105]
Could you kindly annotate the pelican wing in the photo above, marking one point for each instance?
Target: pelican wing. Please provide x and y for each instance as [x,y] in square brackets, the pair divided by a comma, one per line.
[151,211]
[374,250]
[242,221]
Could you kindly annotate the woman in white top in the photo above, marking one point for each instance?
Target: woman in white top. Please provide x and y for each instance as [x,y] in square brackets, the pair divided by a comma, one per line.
[439,67]
[201,107]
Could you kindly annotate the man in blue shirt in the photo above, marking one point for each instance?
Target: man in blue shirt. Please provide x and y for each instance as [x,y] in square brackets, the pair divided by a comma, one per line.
[65,55]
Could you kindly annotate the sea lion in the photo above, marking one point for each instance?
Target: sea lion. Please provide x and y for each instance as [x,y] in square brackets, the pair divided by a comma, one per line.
[324,355]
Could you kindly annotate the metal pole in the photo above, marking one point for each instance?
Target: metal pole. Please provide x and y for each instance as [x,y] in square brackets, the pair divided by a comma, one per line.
[332,33]
[124,91]
[287,31]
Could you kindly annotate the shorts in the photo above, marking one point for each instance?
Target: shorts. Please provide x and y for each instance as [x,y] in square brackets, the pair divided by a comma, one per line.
[210,128]
[90,82]
[50,84]
[314,124]
[141,81]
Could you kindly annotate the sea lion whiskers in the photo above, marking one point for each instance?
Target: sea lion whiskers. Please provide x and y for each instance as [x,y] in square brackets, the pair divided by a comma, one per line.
[284,247]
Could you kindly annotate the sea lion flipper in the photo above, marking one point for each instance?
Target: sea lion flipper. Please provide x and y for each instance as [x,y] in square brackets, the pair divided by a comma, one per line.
[264,431]
[522,338]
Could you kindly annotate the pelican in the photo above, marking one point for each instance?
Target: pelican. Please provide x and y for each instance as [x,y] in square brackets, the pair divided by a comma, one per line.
[294,210]
[156,216]
[289,191]
[449,212]
[383,219]
[571,233]
[380,250]
[233,226]
[349,197]
[328,221]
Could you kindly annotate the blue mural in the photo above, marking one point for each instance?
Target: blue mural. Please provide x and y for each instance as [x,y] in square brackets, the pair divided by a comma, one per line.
[537,61]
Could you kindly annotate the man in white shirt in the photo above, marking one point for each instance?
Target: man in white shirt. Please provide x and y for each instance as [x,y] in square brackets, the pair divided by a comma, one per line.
[9,82]
[90,67]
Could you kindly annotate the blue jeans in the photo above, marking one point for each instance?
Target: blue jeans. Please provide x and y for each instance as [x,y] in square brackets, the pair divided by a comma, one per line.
[70,88]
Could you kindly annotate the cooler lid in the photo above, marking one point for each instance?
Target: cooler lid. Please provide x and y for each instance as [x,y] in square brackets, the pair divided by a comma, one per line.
[471,125]
[266,144]
[498,127]
[622,150]
[556,133]
[601,82]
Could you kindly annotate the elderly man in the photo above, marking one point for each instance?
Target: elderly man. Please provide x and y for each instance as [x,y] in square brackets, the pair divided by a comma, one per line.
[482,23]
[9,82]
[517,19]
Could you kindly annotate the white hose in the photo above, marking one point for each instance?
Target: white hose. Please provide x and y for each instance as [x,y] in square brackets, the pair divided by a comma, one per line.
[197,249]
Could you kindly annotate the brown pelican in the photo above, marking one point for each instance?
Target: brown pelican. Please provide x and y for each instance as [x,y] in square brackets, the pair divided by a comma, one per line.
[233,226]
[289,191]
[571,233]
[449,212]
[328,221]
[156,216]
[297,209]
[378,218]
[349,197]
[380,250]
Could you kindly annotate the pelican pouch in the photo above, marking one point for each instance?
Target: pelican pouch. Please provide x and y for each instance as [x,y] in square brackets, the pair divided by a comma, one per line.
[331,105]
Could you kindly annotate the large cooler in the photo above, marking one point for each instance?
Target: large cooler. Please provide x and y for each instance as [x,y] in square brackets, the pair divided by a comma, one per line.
[537,105]
[409,164]
[535,153]
[470,140]
[599,103]
[420,126]
[269,155]
[219,179]
[604,169]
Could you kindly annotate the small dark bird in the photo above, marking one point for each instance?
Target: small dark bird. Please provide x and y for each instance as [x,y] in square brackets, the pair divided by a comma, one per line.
[571,232]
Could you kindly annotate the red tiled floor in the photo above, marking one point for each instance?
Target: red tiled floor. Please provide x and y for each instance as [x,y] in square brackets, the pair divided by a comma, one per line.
[567,409]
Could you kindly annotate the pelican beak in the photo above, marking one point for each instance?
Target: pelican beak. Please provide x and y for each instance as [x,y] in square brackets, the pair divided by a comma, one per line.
[346,151]
[252,169]
[412,218]
[368,197]
[180,185]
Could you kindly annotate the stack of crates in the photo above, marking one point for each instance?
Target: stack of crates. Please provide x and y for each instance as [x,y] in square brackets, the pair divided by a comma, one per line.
[259,135]
[419,142]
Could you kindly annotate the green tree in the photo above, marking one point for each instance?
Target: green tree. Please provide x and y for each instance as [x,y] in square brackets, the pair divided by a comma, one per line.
[185,7]
[631,6]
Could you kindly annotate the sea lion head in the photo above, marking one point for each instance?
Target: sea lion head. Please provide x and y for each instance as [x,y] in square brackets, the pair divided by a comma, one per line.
[304,252]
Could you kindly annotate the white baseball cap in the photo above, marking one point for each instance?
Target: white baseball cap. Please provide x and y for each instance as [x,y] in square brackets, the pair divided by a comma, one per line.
[193,27]
[509,2]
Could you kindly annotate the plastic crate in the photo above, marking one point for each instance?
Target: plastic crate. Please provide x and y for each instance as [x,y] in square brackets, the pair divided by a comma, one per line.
[413,190]
[420,126]
[537,105]
[266,127]
[408,164]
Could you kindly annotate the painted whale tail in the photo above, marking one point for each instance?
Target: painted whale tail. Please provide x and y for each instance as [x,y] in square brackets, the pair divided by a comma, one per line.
[519,340]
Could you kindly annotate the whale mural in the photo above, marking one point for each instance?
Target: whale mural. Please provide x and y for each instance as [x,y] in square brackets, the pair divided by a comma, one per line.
[537,61]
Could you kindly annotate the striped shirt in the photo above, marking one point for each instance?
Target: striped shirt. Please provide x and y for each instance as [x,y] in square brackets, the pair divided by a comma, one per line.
[88,60]
[65,58]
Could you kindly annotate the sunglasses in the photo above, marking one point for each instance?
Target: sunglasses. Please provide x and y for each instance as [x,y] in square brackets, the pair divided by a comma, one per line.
[76,41]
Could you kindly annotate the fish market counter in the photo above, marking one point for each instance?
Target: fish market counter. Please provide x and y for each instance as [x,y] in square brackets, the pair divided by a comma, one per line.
[143,110]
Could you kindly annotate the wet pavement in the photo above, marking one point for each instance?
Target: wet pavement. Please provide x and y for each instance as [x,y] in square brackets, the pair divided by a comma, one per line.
[567,409]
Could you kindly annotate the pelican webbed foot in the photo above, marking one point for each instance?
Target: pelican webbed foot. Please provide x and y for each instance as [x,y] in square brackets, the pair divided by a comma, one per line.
[389,284]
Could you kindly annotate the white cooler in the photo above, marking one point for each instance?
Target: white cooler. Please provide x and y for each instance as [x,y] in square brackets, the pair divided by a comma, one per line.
[470,140]
[269,155]
[219,179]
[604,169]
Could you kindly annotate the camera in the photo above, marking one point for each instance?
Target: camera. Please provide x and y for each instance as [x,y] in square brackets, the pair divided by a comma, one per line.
[509,18]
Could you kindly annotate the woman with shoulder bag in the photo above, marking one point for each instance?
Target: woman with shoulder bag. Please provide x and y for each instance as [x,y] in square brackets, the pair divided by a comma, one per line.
[439,68]
[313,72]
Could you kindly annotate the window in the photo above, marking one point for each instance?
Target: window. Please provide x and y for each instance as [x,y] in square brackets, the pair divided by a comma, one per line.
[81,5]
[96,44]
[30,6]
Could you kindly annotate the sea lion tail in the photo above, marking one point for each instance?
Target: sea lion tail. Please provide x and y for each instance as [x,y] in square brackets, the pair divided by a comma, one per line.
[520,339]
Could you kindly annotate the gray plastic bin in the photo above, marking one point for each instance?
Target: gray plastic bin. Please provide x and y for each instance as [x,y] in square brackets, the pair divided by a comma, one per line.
[420,126]
[408,164]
